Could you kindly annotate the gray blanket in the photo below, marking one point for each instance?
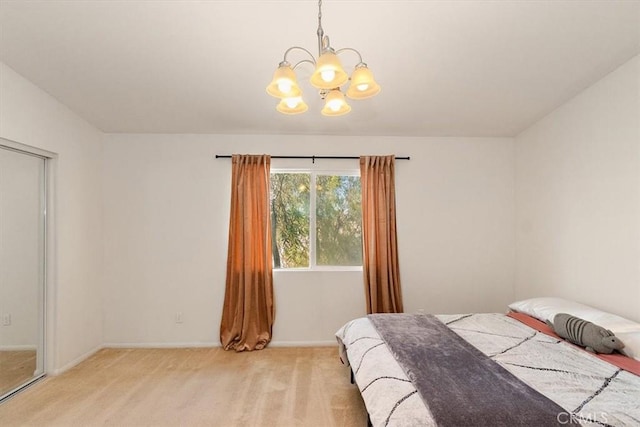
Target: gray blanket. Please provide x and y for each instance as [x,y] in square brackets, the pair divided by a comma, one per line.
[459,384]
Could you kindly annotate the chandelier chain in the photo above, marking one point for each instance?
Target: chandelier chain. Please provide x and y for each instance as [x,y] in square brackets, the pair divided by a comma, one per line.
[322,40]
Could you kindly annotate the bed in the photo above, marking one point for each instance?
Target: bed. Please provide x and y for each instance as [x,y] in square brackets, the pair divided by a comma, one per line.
[420,370]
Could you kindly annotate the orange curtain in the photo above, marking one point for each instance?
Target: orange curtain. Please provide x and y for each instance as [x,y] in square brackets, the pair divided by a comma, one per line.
[248,312]
[380,242]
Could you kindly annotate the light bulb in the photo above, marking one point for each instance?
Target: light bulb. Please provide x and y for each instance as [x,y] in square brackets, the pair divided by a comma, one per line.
[284,86]
[362,87]
[334,105]
[292,102]
[328,75]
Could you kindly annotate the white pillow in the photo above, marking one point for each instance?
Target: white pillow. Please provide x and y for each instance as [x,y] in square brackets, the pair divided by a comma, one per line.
[546,308]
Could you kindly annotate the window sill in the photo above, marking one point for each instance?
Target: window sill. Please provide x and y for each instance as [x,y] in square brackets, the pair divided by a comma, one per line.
[318,269]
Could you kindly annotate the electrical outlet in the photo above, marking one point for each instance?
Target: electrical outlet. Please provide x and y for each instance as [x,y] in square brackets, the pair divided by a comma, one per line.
[178,317]
[6,319]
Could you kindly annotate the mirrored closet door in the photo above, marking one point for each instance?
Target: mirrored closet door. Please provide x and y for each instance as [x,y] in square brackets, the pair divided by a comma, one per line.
[22,268]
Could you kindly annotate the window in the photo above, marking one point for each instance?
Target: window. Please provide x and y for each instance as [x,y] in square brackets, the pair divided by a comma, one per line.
[316,219]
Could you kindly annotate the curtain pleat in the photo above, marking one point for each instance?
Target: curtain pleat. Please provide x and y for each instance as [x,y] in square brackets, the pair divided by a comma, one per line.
[380,243]
[248,312]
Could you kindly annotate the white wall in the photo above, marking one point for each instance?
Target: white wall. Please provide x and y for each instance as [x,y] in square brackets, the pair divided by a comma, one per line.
[164,200]
[165,203]
[166,213]
[30,116]
[578,198]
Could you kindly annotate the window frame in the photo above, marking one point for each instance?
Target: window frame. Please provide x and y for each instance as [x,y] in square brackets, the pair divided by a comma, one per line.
[313,173]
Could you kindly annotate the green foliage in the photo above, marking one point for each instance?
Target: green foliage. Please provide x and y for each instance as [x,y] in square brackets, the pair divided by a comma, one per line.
[290,219]
[338,220]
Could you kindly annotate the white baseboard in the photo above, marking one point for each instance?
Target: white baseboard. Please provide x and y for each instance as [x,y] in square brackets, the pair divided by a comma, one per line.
[332,343]
[77,360]
[199,344]
[18,347]
[205,344]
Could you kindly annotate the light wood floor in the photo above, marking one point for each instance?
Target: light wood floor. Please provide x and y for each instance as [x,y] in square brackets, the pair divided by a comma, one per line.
[194,387]
[16,367]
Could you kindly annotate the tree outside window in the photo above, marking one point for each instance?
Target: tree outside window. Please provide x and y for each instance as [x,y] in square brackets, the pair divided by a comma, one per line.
[316,220]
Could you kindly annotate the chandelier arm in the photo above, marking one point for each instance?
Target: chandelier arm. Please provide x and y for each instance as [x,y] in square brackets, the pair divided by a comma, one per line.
[304,60]
[312,60]
[350,49]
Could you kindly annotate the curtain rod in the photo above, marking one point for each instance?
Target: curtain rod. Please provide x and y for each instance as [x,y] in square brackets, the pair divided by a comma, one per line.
[313,158]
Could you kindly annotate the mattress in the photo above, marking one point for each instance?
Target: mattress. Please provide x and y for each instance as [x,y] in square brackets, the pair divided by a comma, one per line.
[591,391]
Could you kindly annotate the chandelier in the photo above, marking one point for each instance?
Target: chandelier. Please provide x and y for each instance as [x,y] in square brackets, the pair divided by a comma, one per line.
[328,77]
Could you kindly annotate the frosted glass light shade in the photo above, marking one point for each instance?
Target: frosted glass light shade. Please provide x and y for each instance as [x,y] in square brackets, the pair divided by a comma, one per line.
[284,83]
[335,104]
[293,105]
[362,84]
[327,66]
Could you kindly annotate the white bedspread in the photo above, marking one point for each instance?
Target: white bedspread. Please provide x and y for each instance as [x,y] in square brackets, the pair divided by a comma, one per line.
[593,392]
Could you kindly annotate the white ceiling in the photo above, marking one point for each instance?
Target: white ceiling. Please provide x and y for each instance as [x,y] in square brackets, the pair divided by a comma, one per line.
[447,68]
